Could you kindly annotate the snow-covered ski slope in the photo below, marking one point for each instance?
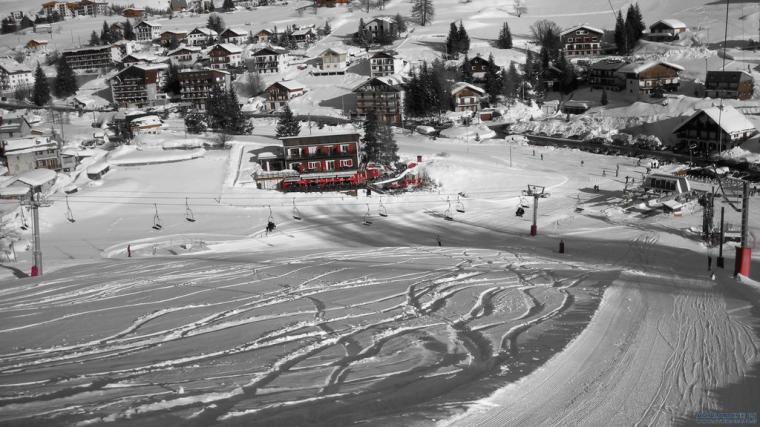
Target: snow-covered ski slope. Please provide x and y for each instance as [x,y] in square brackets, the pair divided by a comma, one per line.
[328,321]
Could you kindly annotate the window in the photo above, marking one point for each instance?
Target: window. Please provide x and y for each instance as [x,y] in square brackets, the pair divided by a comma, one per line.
[311,150]
[293,152]
[313,165]
[344,148]
[347,163]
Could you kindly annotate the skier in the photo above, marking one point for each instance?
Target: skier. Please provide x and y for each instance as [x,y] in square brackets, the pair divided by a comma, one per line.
[270,227]
[129,251]
[438,239]
[604,172]
[581,163]
[542,157]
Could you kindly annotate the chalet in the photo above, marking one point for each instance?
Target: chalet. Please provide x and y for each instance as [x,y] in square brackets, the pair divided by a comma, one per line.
[384,96]
[279,93]
[185,56]
[384,64]
[233,36]
[263,36]
[62,8]
[650,78]
[124,47]
[91,58]
[14,75]
[147,31]
[172,38]
[333,61]
[13,125]
[25,154]
[117,28]
[43,28]
[604,75]
[573,106]
[225,56]
[478,66]
[201,36]
[146,124]
[269,59]
[139,85]
[304,35]
[196,85]
[551,76]
[93,8]
[132,12]
[143,58]
[382,27]
[581,40]
[333,156]
[37,45]
[714,129]
[466,96]
[729,84]
[666,30]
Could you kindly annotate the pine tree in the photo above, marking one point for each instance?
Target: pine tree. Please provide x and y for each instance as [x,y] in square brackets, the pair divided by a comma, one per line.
[370,140]
[604,100]
[65,80]
[507,84]
[463,40]
[516,79]
[41,90]
[413,92]
[388,148]
[466,70]
[621,36]
[568,81]
[228,5]
[400,23]
[505,38]
[129,31]
[106,36]
[215,23]
[493,79]
[634,24]
[423,11]
[452,41]
[172,80]
[94,39]
[638,22]
[287,125]
[327,30]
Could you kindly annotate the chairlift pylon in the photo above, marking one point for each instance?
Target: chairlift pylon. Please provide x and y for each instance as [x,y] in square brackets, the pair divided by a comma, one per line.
[459,204]
[69,213]
[270,222]
[296,212]
[188,212]
[366,220]
[382,211]
[156,219]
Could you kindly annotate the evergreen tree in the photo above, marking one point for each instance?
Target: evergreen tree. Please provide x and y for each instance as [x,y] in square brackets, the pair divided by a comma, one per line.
[505,38]
[215,106]
[195,123]
[493,79]
[463,40]
[388,148]
[440,81]
[327,30]
[172,85]
[569,78]
[65,80]
[211,7]
[604,100]
[634,24]
[215,23]
[287,125]
[507,84]
[129,31]
[94,39]
[228,5]
[362,36]
[26,22]
[41,90]
[412,99]
[621,36]
[530,70]
[423,11]
[400,23]
[106,35]
[516,80]
[452,41]
[370,140]
[466,70]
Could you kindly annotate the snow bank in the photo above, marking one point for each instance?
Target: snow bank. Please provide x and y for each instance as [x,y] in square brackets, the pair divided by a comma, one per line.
[129,155]
[473,133]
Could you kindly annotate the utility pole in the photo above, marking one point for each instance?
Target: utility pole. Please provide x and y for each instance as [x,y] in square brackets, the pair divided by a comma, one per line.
[720,261]
[34,204]
[537,192]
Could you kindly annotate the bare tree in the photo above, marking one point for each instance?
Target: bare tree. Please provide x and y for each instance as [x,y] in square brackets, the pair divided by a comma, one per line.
[544,32]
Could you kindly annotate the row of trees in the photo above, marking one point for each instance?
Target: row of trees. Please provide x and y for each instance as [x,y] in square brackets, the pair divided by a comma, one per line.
[65,83]
[630,30]
[109,36]
[10,24]
[457,41]
[223,114]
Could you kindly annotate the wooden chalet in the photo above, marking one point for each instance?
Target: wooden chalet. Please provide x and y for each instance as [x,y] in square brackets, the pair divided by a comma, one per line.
[666,30]
[281,92]
[729,84]
[651,78]
[714,128]
[323,161]
[466,96]
[384,96]
[582,40]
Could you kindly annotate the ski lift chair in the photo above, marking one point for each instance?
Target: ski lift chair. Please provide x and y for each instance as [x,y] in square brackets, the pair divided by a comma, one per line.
[296,212]
[188,212]
[459,205]
[366,220]
[382,211]
[69,213]
[156,219]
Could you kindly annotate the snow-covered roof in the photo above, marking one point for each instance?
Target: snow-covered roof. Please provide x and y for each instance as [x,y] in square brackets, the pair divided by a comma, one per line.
[578,27]
[637,68]
[147,121]
[19,145]
[392,81]
[730,120]
[672,23]
[12,67]
[37,177]
[14,190]
[381,54]
[204,31]
[237,32]
[187,48]
[458,86]
[303,31]
[270,50]
[229,47]
[38,41]
[607,65]
[149,23]
[289,84]
[97,167]
[335,50]
[387,19]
